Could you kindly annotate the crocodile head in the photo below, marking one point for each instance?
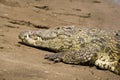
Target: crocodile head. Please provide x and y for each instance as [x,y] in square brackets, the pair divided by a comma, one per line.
[35,37]
[31,37]
[28,37]
[54,39]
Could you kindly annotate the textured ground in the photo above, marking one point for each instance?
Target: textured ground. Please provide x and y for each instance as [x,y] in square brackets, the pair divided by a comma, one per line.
[20,62]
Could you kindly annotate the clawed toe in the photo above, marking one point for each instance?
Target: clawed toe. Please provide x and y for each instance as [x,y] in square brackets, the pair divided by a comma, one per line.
[47,56]
[53,57]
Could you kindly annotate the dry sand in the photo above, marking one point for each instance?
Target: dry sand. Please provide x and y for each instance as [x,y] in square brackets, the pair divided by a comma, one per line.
[20,62]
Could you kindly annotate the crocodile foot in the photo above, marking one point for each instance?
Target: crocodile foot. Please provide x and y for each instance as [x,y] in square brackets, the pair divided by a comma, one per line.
[57,57]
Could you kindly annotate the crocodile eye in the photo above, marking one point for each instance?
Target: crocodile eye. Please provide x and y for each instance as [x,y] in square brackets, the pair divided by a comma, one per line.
[118,35]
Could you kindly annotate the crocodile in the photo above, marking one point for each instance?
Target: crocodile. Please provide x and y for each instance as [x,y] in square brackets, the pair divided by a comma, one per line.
[79,46]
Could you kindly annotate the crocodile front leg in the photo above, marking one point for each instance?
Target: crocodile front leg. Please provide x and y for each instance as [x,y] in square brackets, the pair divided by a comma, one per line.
[86,55]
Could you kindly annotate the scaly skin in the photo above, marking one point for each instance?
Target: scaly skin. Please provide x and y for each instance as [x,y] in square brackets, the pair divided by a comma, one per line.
[78,45]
